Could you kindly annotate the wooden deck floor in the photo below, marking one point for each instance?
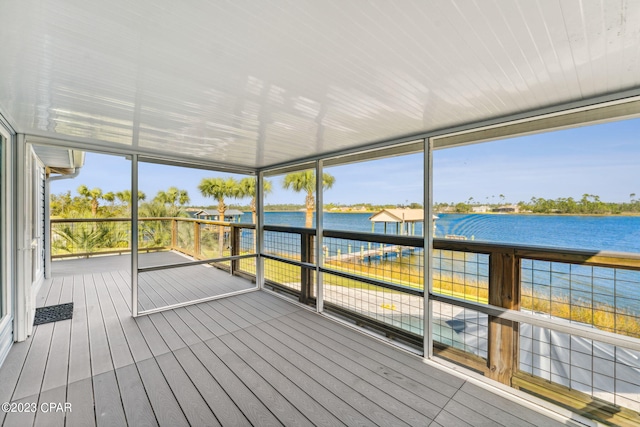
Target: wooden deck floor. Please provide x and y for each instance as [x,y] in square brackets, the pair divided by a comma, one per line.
[159,288]
[250,359]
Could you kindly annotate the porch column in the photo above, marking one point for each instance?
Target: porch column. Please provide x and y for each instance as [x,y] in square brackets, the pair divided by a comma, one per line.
[134,235]
[259,239]
[319,230]
[428,248]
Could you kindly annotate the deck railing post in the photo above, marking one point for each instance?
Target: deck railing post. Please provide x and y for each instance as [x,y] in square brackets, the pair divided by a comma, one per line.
[235,247]
[196,240]
[174,233]
[504,291]
[306,275]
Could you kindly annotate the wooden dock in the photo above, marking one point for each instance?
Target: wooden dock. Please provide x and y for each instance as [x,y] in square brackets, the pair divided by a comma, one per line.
[371,254]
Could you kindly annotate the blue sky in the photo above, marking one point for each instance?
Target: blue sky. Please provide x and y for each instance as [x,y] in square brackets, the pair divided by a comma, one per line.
[601,159]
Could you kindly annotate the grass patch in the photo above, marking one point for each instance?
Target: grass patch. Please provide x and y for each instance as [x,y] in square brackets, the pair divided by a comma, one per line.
[600,315]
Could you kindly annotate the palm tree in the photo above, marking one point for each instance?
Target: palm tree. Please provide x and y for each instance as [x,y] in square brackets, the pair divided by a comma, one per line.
[158,233]
[219,189]
[125,197]
[92,195]
[248,189]
[306,181]
[173,196]
[110,197]
[89,238]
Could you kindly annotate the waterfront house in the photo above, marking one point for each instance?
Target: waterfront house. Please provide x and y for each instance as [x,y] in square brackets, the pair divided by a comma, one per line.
[507,209]
[230,215]
[480,209]
[223,329]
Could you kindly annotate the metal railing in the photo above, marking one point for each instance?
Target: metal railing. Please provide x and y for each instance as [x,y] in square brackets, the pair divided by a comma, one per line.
[200,239]
[563,324]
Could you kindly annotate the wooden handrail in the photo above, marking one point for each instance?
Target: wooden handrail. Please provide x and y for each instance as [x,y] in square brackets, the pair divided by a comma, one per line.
[542,253]
[171,218]
[573,256]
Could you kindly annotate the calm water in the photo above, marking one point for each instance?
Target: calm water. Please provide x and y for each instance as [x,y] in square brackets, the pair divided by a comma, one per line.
[611,233]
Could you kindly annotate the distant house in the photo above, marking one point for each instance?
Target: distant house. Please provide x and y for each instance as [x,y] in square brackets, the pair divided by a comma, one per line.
[480,209]
[230,215]
[507,209]
[447,209]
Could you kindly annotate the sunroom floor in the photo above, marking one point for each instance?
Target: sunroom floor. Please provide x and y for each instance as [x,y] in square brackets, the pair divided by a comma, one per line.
[250,359]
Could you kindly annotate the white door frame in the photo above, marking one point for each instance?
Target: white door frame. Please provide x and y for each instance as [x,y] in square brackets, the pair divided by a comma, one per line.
[26,284]
[7,258]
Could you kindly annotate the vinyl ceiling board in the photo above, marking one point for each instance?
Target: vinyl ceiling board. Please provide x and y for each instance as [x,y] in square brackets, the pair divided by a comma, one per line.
[254,84]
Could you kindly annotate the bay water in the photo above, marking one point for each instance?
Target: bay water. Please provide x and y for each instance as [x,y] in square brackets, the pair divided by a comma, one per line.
[609,233]
[592,233]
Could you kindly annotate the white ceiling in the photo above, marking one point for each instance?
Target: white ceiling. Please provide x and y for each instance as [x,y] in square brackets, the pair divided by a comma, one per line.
[255,83]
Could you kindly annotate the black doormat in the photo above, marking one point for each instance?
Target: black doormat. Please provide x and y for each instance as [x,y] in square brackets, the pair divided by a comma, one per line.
[53,313]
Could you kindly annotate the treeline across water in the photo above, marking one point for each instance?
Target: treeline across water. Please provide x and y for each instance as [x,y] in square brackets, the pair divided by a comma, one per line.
[588,204]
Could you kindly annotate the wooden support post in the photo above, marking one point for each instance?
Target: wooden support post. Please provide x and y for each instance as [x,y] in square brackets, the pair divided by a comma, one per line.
[196,240]
[306,275]
[504,291]
[174,234]
[235,248]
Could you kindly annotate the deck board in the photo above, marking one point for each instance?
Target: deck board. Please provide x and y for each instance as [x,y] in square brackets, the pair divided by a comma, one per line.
[447,419]
[54,384]
[324,395]
[281,385]
[79,355]
[109,409]
[213,319]
[341,382]
[53,418]
[136,404]
[11,370]
[139,348]
[409,391]
[380,390]
[500,409]
[100,353]
[252,408]
[272,399]
[161,397]
[412,378]
[118,346]
[250,359]
[218,400]
[30,381]
[80,394]
[193,405]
